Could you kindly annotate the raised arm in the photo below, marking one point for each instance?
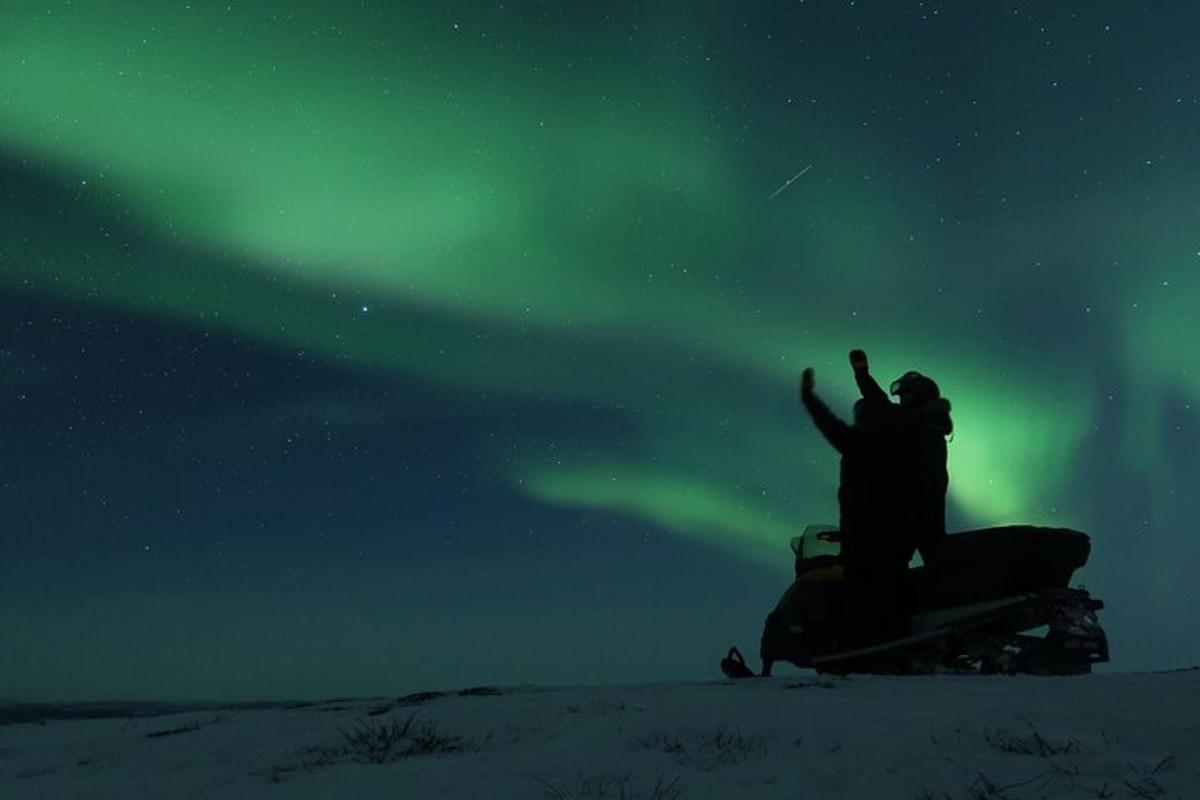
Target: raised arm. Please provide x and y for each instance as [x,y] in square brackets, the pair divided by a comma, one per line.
[868,387]
[835,431]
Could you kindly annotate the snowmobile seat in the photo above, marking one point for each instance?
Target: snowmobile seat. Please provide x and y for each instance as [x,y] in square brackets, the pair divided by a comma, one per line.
[991,563]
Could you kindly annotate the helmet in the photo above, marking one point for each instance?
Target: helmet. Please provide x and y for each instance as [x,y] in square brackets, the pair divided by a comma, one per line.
[915,389]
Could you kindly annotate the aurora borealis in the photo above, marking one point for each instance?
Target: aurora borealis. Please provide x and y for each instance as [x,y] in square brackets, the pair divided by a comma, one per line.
[350,348]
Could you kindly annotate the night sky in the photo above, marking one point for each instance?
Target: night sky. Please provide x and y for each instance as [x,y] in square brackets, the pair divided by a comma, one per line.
[360,348]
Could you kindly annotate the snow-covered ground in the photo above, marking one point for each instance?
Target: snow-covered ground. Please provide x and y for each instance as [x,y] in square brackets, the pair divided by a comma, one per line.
[982,738]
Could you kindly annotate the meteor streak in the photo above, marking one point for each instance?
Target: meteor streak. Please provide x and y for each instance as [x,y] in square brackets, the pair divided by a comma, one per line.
[790,181]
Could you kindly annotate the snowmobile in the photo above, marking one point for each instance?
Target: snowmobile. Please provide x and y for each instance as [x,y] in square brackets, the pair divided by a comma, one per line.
[997,601]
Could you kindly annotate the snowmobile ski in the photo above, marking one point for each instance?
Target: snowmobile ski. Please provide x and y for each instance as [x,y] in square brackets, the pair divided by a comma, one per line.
[734,666]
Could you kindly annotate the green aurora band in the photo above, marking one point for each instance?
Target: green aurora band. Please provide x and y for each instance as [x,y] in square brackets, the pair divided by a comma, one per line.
[576,234]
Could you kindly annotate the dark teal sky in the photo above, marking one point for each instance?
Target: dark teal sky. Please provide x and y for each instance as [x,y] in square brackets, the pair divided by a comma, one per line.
[349,350]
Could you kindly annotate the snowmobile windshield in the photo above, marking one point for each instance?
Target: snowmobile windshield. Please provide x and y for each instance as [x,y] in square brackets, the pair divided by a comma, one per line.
[818,541]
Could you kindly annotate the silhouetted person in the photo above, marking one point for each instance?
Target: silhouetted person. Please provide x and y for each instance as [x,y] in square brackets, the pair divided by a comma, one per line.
[868,502]
[919,427]
[924,423]
[859,479]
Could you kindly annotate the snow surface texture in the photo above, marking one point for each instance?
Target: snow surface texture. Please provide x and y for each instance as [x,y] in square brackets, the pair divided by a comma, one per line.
[976,738]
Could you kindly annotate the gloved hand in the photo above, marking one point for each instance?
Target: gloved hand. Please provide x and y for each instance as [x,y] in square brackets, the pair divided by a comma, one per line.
[858,360]
[806,382]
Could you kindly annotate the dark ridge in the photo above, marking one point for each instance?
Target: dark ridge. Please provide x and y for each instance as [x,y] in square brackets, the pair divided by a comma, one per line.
[19,713]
